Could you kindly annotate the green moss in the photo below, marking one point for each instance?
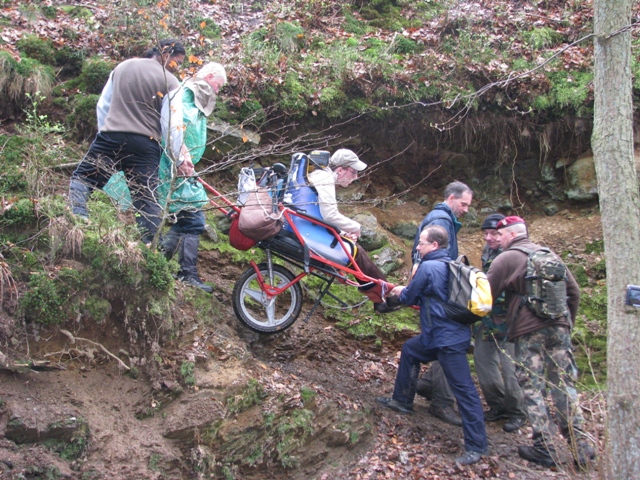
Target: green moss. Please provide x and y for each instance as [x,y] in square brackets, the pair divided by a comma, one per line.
[293,430]
[252,112]
[579,273]
[333,101]
[37,48]
[94,75]
[81,13]
[208,28]
[252,394]
[13,149]
[159,269]
[82,119]
[289,37]
[405,45]
[48,11]
[96,309]
[543,37]
[590,334]
[595,247]
[187,370]
[21,214]
[307,395]
[293,96]
[353,25]
[46,301]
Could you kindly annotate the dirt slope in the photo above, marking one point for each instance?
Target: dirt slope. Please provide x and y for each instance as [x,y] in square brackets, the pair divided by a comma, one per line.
[130,424]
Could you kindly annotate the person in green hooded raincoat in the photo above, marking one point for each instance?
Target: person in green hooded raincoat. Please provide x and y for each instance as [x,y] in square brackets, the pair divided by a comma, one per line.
[179,190]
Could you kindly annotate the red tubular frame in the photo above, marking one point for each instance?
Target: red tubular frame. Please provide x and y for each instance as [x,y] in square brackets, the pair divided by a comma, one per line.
[287,213]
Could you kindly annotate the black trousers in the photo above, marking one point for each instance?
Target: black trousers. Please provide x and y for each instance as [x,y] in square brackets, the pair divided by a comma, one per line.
[138,156]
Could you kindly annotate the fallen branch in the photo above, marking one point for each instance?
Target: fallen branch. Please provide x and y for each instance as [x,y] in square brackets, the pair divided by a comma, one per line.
[73,339]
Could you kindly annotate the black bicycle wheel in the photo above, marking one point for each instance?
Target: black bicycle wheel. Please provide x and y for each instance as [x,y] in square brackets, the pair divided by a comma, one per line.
[256,311]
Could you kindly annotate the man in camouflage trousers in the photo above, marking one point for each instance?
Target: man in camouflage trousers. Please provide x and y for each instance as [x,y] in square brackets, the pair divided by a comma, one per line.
[544,357]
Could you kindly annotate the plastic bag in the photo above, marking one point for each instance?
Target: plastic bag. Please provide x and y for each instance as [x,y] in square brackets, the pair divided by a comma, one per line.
[246,184]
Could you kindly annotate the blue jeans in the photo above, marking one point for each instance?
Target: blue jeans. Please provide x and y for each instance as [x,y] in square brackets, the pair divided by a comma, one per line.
[453,359]
[138,156]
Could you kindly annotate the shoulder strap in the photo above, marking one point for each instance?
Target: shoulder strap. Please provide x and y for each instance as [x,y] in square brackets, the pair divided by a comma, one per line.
[526,251]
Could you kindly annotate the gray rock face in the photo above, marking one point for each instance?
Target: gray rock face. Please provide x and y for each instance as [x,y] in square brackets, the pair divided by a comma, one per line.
[582,180]
[404,229]
[372,236]
[389,259]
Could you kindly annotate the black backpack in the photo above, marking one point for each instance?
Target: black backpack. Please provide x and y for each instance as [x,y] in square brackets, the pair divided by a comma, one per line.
[545,284]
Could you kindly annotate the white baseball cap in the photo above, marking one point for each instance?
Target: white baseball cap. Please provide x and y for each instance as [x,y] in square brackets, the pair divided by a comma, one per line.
[346,158]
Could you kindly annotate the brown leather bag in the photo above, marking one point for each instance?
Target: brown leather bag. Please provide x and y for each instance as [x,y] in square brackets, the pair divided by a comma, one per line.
[257,220]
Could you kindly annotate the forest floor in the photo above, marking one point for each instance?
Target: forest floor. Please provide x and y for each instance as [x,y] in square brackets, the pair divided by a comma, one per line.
[346,373]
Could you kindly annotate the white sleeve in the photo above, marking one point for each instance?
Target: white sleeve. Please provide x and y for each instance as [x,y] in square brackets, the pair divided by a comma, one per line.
[104,102]
[324,183]
[172,123]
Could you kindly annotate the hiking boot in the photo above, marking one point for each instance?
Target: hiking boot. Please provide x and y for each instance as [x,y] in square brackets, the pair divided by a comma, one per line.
[493,415]
[536,455]
[469,457]
[383,307]
[585,454]
[446,414]
[195,281]
[393,301]
[188,258]
[514,424]
[392,404]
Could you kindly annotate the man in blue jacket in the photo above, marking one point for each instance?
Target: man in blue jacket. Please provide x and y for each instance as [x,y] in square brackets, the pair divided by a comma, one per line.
[432,385]
[440,339]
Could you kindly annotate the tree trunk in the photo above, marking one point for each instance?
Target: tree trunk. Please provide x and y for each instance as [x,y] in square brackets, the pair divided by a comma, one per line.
[612,144]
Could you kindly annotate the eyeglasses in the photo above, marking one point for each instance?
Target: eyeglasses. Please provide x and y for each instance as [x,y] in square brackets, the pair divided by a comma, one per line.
[420,242]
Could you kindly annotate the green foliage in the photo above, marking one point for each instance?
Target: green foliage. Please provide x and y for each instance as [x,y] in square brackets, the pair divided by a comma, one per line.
[94,75]
[82,119]
[82,13]
[597,247]
[307,394]
[210,29]
[590,333]
[159,270]
[20,78]
[22,214]
[187,370]
[252,394]
[293,430]
[289,37]
[23,261]
[36,123]
[579,273]
[37,48]
[96,309]
[543,37]
[47,299]
[48,11]
[405,45]
[70,59]
[73,446]
[568,90]
[251,112]
[353,25]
